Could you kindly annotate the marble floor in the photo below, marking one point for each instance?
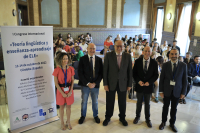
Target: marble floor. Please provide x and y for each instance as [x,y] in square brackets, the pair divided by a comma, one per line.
[188,117]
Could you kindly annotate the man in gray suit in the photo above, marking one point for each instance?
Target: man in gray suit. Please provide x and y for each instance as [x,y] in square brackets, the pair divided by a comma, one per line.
[117,76]
[172,87]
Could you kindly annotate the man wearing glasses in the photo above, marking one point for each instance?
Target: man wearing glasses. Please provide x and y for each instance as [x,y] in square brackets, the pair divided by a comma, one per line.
[117,77]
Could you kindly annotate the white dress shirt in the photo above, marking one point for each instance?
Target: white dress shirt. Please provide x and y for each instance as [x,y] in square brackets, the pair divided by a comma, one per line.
[148,62]
[163,47]
[84,46]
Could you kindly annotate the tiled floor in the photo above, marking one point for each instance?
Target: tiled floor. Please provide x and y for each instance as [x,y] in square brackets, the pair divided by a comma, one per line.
[188,117]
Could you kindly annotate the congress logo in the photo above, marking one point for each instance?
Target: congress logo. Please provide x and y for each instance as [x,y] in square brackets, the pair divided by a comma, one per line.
[41,112]
[17,120]
[25,117]
[51,110]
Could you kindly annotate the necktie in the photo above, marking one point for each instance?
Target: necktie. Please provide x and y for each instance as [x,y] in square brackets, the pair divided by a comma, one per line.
[119,60]
[145,67]
[174,69]
[91,65]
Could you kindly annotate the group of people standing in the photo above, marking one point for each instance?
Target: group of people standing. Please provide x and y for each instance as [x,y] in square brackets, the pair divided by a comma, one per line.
[117,74]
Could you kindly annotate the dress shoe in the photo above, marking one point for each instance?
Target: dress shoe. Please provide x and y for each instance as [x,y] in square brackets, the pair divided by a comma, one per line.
[135,121]
[124,122]
[97,120]
[174,128]
[105,122]
[81,120]
[184,101]
[149,124]
[162,126]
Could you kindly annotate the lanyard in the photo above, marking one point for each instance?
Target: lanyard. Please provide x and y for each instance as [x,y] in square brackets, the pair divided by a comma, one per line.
[65,76]
[159,68]
[197,69]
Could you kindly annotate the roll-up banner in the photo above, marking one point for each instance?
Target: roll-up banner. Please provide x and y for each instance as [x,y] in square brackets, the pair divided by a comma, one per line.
[28,63]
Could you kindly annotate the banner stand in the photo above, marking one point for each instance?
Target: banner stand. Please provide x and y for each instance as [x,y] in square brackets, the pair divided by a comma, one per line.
[37,124]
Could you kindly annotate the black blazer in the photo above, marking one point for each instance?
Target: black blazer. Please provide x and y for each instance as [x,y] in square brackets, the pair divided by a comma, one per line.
[192,70]
[112,74]
[186,61]
[85,71]
[151,76]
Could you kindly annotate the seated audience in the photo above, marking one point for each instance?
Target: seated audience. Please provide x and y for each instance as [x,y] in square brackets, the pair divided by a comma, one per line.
[117,38]
[174,46]
[125,39]
[153,55]
[128,50]
[164,54]
[130,40]
[73,51]
[194,69]
[84,46]
[136,38]
[69,42]
[107,44]
[146,44]
[152,44]
[67,48]
[88,38]
[180,58]
[164,46]
[79,53]
[158,48]
[188,59]
[155,49]
[69,36]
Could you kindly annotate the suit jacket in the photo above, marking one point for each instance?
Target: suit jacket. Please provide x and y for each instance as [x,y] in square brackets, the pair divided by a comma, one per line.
[151,75]
[112,73]
[180,79]
[192,70]
[186,61]
[85,71]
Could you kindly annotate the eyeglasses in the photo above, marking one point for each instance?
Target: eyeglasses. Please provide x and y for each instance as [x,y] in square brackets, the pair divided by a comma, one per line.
[119,46]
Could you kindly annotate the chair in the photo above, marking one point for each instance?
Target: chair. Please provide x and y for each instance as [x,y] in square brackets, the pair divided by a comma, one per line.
[111,47]
[75,65]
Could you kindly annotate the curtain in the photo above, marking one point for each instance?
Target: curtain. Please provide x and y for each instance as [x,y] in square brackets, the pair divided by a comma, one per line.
[183,39]
[154,21]
[192,19]
[180,8]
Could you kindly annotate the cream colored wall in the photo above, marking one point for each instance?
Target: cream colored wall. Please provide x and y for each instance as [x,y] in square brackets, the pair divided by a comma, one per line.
[74,16]
[144,14]
[6,17]
[170,8]
[118,14]
[36,13]
[64,12]
[109,14]
[197,24]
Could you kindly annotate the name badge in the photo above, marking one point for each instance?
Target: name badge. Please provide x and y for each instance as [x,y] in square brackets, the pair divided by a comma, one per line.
[172,83]
[66,89]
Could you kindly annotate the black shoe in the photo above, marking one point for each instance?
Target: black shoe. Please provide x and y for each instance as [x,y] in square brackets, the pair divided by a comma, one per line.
[97,120]
[105,122]
[124,122]
[180,101]
[149,124]
[81,120]
[135,121]
[162,126]
[184,101]
[129,96]
[174,128]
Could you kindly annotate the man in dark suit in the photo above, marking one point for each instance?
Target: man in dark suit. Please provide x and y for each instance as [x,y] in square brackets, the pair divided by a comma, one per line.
[194,68]
[174,46]
[117,77]
[172,86]
[145,73]
[90,71]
